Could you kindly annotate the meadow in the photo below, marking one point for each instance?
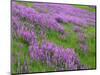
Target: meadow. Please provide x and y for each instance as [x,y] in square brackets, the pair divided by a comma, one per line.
[50,37]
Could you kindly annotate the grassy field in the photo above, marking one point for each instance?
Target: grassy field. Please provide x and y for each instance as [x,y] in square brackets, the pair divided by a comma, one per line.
[71,41]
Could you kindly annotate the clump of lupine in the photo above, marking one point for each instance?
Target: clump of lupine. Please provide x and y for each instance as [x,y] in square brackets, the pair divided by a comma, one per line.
[67,13]
[84,47]
[82,39]
[30,14]
[50,16]
[52,55]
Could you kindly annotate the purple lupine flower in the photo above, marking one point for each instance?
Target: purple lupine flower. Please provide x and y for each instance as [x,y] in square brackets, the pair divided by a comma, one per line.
[77,29]
[84,48]
[82,37]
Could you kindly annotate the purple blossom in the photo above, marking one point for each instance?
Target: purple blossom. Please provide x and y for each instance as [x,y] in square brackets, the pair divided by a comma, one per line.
[82,37]
[84,48]
[77,29]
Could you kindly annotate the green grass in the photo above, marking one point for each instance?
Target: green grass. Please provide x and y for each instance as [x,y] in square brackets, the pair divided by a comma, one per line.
[86,8]
[28,4]
[71,41]
[91,40]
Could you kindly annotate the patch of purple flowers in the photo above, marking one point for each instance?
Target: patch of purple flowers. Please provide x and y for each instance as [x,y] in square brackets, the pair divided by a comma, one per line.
[50,16]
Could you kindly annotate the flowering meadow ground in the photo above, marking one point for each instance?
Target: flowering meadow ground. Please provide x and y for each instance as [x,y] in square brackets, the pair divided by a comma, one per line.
[52,37]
